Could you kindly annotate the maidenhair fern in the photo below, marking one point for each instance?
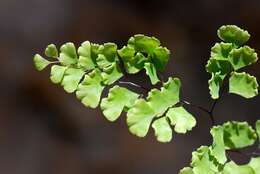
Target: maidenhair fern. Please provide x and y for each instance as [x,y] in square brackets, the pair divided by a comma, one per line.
[227,138]
[90,68]
[227,58]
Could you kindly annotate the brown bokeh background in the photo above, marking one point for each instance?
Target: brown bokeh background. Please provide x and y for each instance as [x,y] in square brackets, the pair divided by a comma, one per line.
[45,130]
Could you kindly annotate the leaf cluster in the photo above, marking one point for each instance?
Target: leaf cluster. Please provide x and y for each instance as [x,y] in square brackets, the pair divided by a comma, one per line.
[227,58]
[213,159]
[91,68]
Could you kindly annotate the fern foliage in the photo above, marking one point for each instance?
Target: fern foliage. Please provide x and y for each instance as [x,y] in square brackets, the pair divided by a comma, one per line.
[226,60]
[213,159]
[89,69]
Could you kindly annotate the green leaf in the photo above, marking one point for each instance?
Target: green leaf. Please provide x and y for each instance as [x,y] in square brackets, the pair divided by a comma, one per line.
[242,57]
[90,89]
[151,72]
[68,54]
[221,50]
[85,59]
[107,55]
[222,66]
[118,99]
[186,170]
[71,79]
[138,61]
[243,84]
[140,45]
[228,57]
[214,85]
[255,164]
[238,135]
[203,162]
[257,127]
[57,73]
[160,58]
[40,63]
[135,64]
[95,50]
[111,74]
[162,129]
[218,146]
[233,34]
[51,51]
[140,116]
[126,53]
[233,168]
[181,119]
[167,97]
[109,50]
[102,61]
[144,43]
[130,68]
[212,159]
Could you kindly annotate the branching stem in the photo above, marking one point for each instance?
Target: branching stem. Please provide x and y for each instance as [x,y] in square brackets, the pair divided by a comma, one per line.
[208,111]
[195,106]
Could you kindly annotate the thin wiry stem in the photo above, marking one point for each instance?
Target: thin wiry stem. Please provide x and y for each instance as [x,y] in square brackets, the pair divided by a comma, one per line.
[210,111]
[133,84]
[195,106]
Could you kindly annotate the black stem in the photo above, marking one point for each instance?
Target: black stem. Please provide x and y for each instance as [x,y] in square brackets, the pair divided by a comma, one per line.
[208,111]
[195,106]
[134,84]
[211,111]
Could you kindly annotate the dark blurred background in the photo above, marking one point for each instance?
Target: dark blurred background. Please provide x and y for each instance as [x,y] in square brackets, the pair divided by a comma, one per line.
[45,130]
